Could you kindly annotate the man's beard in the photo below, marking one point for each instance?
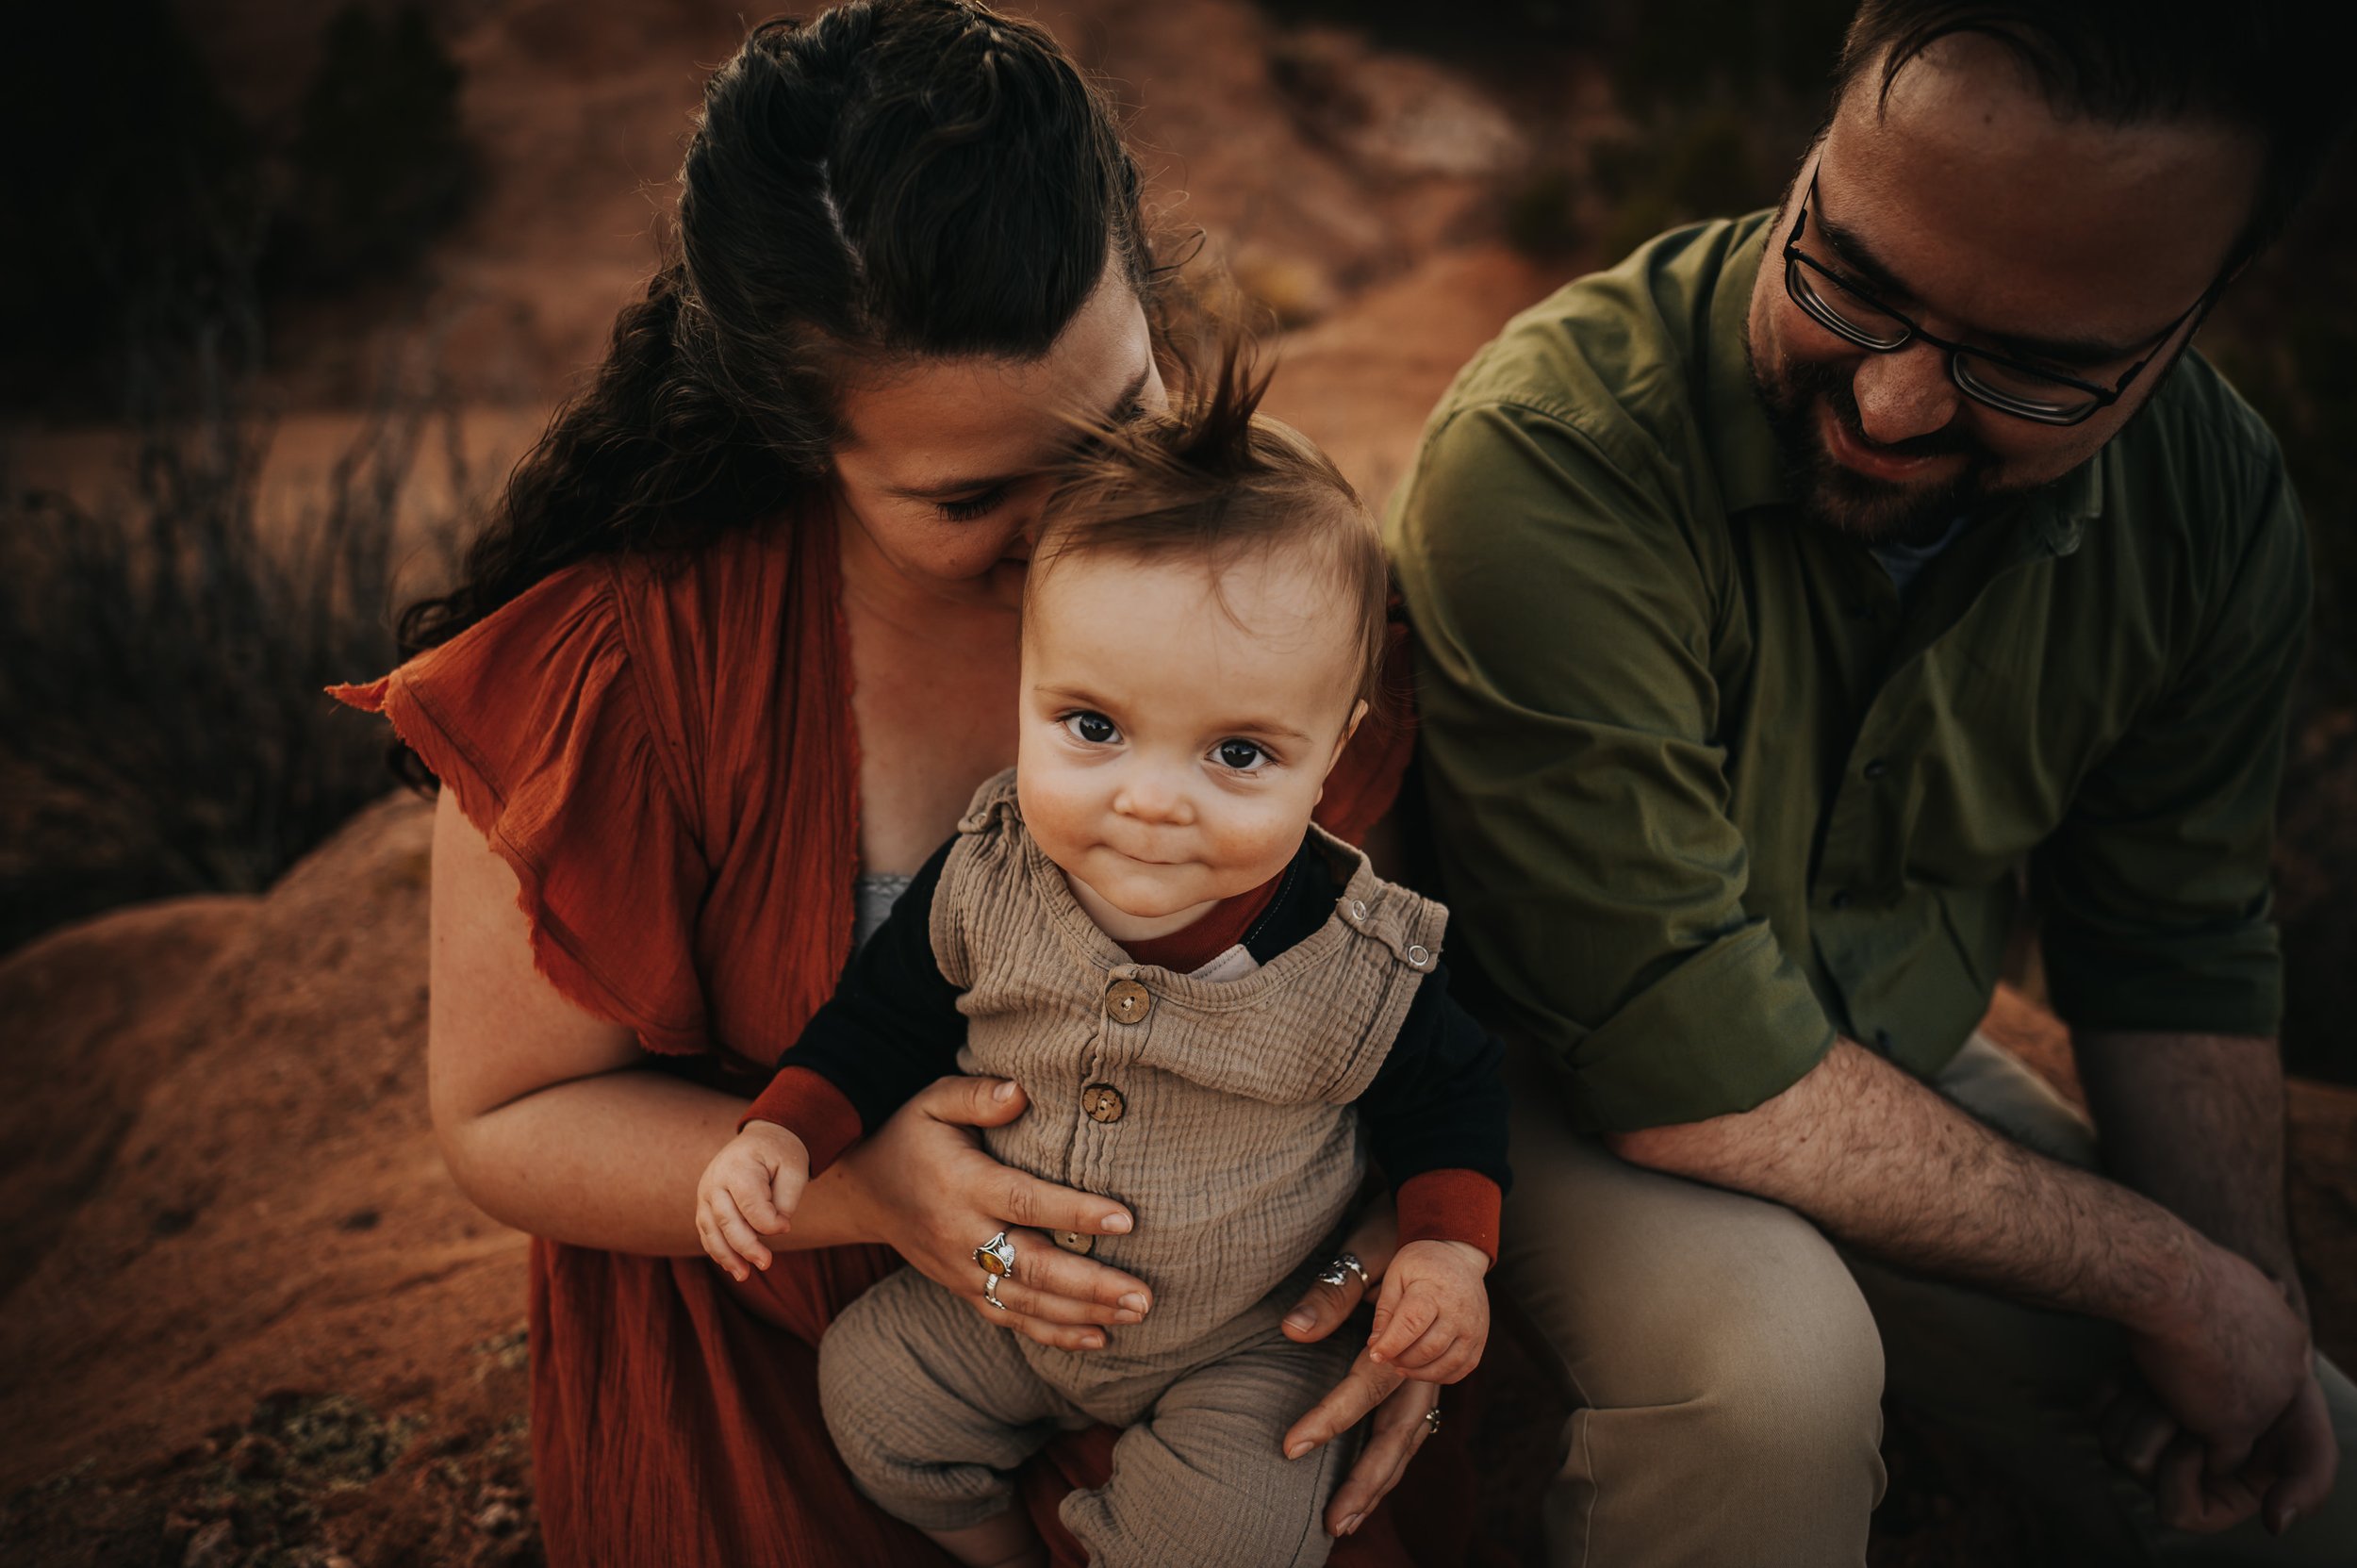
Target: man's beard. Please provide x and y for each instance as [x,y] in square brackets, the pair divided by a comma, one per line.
[1840,497]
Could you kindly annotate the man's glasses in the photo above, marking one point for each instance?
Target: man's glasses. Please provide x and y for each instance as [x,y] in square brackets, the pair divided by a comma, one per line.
[2008,386]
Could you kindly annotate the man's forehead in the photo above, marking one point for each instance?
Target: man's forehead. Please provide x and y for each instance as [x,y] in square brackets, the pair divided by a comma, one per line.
[1989,202]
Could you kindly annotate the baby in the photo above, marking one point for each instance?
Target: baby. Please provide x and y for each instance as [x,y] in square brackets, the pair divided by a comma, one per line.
[1216,1009]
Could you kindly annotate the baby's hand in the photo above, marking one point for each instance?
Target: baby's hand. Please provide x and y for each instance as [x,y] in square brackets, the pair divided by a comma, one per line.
[752,1185]
[1433,1320]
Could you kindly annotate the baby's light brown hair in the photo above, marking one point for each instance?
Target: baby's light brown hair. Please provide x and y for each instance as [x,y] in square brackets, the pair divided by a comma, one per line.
[1214,479]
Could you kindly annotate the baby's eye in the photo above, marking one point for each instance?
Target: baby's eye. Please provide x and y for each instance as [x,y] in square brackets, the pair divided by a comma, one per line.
[1243,756]
[1094,728]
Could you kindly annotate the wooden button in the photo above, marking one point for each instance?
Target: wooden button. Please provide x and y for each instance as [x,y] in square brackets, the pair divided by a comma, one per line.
[1127,1001]
[1103,1102]
[1073,1241]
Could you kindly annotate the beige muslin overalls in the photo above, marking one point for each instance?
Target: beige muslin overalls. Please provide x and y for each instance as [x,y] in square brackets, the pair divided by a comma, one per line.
[1220,1113]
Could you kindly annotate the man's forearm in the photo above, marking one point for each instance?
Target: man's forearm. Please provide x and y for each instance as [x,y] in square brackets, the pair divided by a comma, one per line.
[1885,1164]
[2195,1122]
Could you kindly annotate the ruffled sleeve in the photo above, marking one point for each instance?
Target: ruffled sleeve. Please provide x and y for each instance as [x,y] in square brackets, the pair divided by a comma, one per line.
[537,719]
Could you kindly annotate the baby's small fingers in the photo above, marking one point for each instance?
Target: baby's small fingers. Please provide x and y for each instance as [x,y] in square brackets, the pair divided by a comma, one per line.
[1454,1367]
[736,1232]
[717,1249]
[1408,1322]
[1430,1347]
[752,1195]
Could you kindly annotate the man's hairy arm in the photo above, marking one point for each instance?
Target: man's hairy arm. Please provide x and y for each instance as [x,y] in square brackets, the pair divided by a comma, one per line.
[2195,1122]
[1885,1164]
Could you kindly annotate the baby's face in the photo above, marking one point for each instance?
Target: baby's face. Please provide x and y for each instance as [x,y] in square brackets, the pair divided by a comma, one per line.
[1173,745]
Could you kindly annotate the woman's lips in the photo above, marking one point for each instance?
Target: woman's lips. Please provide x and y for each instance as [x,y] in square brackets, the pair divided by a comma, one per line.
[1852,453]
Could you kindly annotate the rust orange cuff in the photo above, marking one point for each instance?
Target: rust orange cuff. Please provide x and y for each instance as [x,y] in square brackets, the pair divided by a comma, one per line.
[1451,1206]
[814,1110]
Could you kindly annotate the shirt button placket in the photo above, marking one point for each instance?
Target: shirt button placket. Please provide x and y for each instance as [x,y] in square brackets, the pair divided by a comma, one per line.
[1126,1004]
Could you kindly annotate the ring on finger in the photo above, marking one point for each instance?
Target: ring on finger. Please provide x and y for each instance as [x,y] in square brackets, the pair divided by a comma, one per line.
[1341,1267]
[1432,1421]
[990,1292]
[995,1257]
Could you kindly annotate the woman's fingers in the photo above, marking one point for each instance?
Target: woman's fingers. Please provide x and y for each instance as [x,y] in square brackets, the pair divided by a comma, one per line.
[1033,1301]
[1323,1308]
[1398,1430]
[734,1231]
[1346,1404]
[1021,1198]
[970,1101]
[1056,1336]
[1045,1267]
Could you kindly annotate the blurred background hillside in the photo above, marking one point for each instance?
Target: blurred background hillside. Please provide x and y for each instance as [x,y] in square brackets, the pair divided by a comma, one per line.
[292,286]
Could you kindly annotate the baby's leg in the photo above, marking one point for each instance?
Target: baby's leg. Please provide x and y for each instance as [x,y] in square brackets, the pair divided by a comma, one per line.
[1202,1480]
[932,1409]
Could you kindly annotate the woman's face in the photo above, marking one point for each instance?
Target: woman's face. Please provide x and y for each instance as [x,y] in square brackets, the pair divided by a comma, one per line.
[941,466]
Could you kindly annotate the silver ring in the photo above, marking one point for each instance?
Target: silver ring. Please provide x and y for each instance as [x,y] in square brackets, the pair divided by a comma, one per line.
[995,1257]
[990,1292]
[1343,1266]
[1432,1421]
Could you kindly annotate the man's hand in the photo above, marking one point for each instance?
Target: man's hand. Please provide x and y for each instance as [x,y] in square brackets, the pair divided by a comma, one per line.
[749,1191]
[1881,1161]
[2235,1422]
[1433,1320]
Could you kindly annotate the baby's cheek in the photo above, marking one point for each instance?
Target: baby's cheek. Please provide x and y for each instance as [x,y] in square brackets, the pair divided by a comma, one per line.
[1262,837]
[1056,806]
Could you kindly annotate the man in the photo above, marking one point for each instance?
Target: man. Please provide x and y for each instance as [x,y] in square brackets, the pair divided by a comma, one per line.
[1782,595]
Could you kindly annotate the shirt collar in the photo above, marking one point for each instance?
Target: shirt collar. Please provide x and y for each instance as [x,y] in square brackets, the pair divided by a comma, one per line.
[1743,444]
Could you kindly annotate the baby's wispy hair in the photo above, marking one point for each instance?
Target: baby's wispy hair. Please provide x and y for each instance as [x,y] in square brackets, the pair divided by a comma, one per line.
[1214,479]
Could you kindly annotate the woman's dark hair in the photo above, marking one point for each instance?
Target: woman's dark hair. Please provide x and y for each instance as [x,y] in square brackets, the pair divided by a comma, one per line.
[894,177]
[2274,66]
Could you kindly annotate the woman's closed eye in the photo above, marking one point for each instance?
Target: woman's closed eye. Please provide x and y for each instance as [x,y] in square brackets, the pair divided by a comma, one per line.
[1092,729]
[972,506]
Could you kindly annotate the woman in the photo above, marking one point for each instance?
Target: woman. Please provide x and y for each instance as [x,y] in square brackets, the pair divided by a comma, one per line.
[732,655]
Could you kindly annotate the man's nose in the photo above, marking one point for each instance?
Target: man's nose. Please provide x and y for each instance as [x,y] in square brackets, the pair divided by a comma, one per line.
[1905,394]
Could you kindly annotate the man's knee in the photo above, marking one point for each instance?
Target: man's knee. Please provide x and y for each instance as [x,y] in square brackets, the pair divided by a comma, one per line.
[1737,1314]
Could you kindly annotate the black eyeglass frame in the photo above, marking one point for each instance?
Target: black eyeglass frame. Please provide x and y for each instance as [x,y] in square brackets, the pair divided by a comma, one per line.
[1804,294]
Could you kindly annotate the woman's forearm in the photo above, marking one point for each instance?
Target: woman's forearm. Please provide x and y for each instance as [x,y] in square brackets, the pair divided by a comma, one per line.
[612,1161]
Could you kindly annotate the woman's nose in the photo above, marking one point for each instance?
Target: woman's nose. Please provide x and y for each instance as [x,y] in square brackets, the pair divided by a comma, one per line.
[1905,394]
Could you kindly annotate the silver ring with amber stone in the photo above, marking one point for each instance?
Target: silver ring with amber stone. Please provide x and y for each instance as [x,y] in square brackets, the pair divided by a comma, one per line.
[995,1258]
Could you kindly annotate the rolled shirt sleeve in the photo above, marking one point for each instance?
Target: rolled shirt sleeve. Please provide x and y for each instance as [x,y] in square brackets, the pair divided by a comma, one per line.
[1579,800]
[2155,889]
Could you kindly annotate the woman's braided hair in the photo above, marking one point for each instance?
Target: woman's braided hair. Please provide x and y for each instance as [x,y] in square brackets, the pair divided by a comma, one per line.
[892,178]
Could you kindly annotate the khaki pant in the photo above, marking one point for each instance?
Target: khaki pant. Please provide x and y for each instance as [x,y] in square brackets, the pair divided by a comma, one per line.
[1728,1364]
[932,1409]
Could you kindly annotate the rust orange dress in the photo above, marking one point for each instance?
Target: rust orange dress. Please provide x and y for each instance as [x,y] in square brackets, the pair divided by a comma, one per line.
[664,754]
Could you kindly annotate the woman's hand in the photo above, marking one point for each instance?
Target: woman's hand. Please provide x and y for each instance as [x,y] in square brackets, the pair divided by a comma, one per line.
[924,1186]
[1400,1407]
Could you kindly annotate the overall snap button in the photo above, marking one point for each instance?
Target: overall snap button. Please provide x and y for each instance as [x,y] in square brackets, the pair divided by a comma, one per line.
[1127,1001]
[1103,1103]
[1417,955]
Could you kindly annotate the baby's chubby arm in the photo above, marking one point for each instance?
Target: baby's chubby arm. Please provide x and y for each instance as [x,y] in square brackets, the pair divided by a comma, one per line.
[749,1191]
[1432,1319]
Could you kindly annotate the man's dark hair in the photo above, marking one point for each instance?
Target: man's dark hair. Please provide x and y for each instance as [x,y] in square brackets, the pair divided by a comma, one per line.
[2278,67]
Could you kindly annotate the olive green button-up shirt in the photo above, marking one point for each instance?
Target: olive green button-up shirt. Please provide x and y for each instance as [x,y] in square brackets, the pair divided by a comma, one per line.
[1705,791]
